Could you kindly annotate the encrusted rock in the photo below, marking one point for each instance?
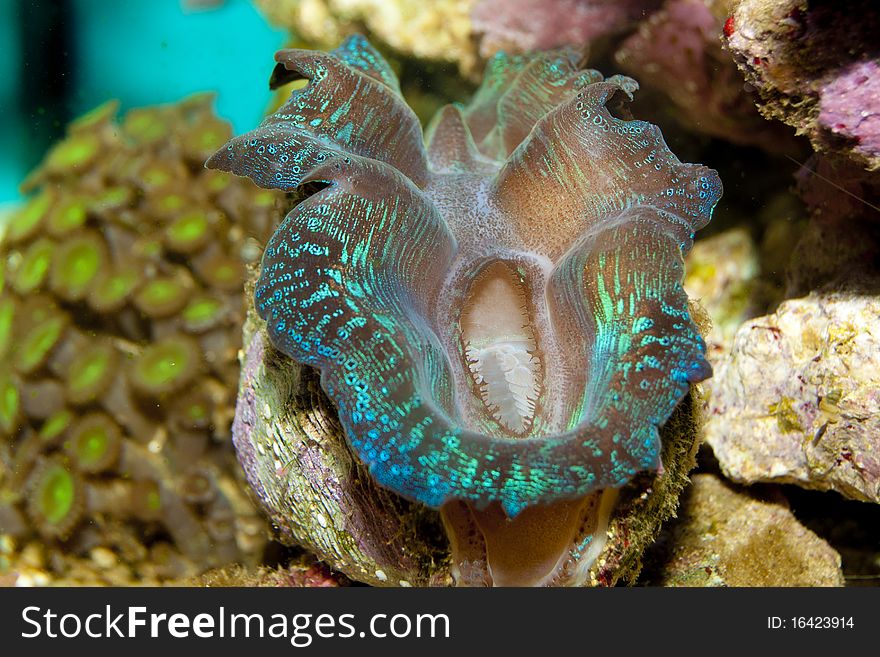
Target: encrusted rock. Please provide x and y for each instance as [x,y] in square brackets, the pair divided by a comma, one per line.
[438,30]
[798,399]
[677,52]
[721,274]
[523,25]
[725,536]
[815,67]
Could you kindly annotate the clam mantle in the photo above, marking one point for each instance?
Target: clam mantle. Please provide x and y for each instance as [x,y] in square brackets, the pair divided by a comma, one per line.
[495,308]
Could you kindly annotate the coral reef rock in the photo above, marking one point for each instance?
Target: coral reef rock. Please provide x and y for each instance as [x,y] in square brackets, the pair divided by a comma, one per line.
[438,30]
[677,51]
[447,296]
[525,25]
[120,321]
[798,399]
[725,536]
[815,66]
[721,275]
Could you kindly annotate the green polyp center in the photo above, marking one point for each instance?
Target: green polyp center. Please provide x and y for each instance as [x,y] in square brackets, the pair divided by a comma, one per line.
[156,177]
[163,363]
[113,197]
[201,310]
[145,126]
[171,202]
[93,117]
[223,272]
[218,181]
[188,228]
[159,292]
[56,424]
[7,316]
[211,138]
[37,343]
[9,402]
[90,369]
[80,264]
[116,287]
[56,494]
[74,152]
[26,220]
[154,500]
[197,412]
[149,248]
[263,199]
[34,266]
[92,444]
[70,216]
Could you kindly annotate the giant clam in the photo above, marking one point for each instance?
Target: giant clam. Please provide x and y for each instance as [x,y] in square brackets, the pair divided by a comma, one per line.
[495,308]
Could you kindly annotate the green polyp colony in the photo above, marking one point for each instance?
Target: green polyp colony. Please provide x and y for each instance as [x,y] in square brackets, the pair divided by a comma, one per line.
[188,232]
[25,223]
[149,248]
[161,297]
[192,412]
[207,137]
[77,151]
[146,499]
[94,443]
[69,215]
[34,266]
[165,366]
[90,373]
[202,313]
[53,499]
[217,181]
[97,288]
[75,266]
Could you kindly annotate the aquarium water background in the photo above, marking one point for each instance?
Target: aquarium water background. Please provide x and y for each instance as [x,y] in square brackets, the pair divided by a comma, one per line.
[63,58]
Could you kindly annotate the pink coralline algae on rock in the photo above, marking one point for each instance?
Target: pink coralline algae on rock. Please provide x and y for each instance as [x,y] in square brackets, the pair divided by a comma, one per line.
[814,66]
[850,107]
[522,25]
[677,51]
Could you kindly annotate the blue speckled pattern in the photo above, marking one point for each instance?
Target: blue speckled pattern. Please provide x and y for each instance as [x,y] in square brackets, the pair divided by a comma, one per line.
[365,279]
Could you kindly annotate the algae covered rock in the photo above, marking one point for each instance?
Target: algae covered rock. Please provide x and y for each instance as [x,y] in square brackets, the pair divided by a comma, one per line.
[677,51]
[722,273]
[798,398]
[727,536]
[815,67]
[438,30]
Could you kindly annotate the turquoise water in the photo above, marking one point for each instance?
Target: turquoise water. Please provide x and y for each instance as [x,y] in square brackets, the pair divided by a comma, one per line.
[141,52]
